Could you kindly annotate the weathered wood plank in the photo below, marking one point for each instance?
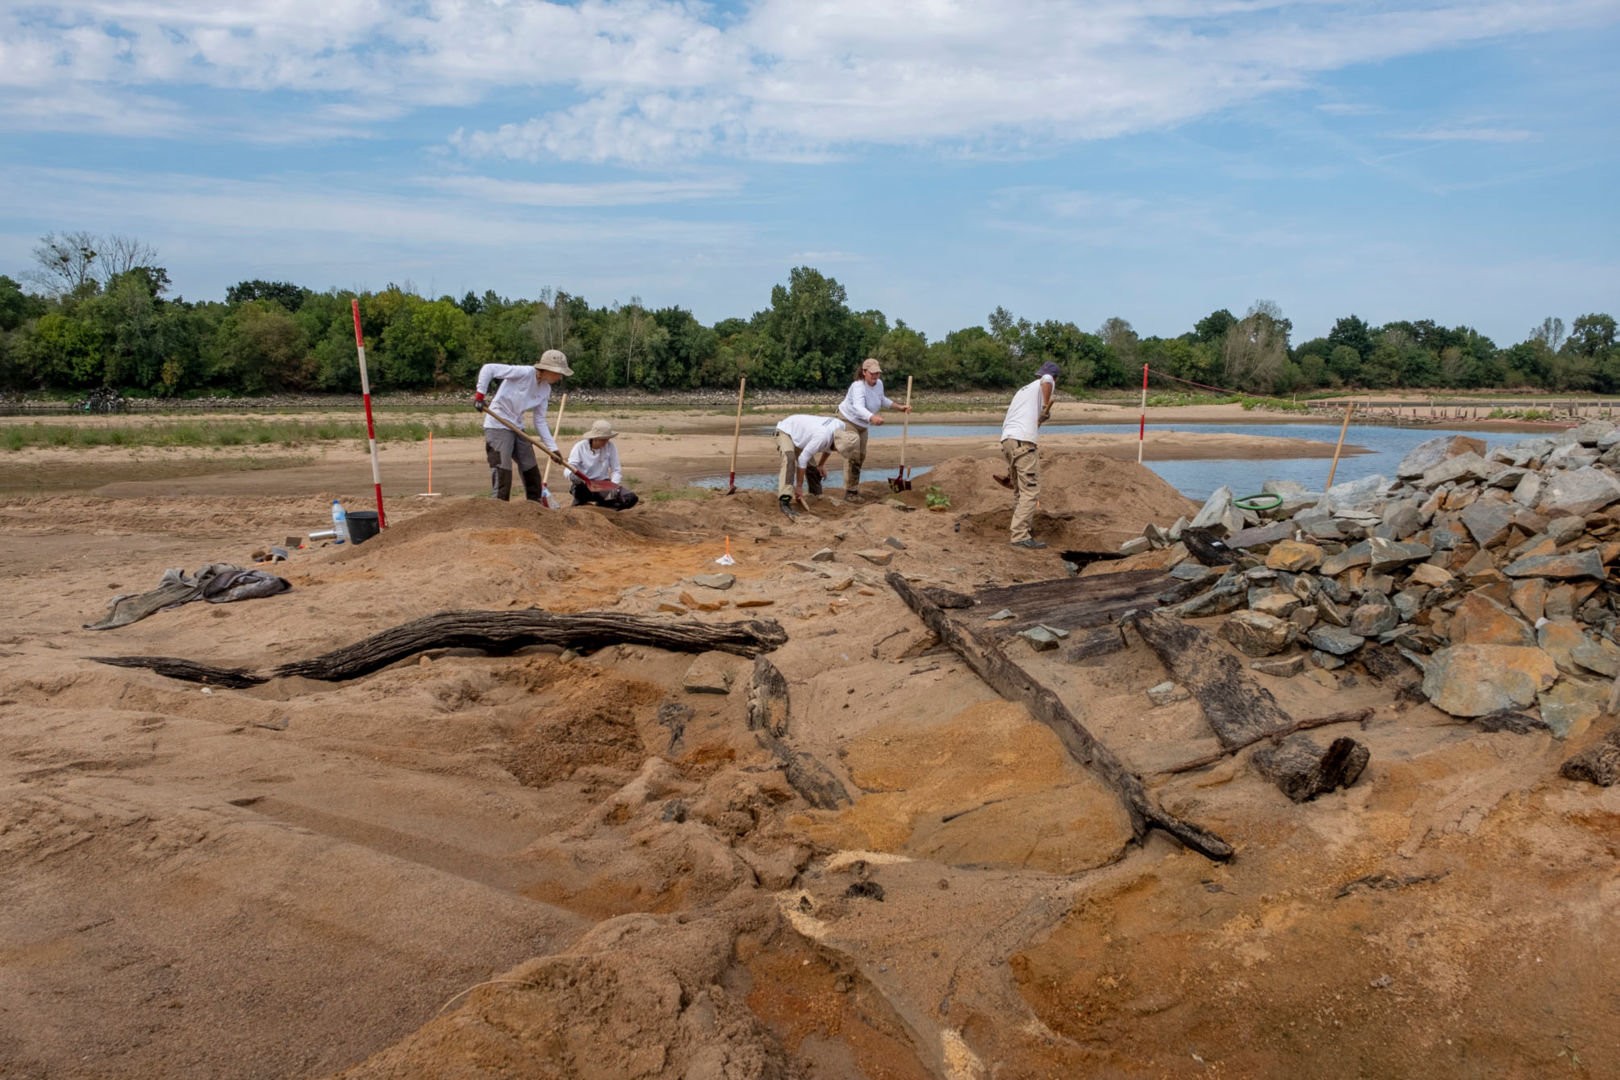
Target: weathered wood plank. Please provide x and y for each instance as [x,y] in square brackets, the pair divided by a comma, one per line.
[769,708]
[1072,603]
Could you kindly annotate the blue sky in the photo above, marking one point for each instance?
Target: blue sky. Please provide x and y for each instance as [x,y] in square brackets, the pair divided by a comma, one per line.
[1152,159]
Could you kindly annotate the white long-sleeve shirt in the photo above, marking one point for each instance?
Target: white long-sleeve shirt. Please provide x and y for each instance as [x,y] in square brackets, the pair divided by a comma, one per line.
[810,434]
[521,390]
[600,464]
[1024,414]
[862,401]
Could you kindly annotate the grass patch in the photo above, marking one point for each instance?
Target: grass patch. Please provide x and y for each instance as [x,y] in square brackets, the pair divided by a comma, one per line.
[680,494]
[225,433]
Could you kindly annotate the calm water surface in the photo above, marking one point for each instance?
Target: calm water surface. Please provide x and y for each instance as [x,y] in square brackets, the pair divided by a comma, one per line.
[1195,479]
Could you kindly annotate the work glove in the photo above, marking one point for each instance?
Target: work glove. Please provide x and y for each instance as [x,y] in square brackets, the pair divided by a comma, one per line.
[478,402]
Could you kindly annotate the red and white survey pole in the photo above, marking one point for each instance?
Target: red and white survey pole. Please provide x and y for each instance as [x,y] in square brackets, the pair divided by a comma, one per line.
[1141,431]
[371,430]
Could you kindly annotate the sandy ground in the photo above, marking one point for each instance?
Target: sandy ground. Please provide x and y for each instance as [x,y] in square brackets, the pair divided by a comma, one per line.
[469,865]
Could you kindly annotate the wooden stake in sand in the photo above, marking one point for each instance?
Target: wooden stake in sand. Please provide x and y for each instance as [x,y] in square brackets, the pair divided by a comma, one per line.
[545,475]
[736,437]
[1348,409]
[1141,431]
[430,490]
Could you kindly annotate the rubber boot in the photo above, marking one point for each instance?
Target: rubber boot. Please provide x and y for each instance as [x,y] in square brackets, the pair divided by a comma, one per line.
[503,484]
[786,503]
[495,482]
[531,483]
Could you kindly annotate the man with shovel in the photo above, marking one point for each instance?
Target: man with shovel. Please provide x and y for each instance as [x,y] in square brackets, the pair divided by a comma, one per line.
[799,439]
[1030,408]
[595,458]
[859,410]
[523,388]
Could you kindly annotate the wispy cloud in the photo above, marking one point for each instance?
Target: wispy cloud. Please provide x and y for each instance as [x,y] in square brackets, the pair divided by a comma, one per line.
[1482,134]
[609,193]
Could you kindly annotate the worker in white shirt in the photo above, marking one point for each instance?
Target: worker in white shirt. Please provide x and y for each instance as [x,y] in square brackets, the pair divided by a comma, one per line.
[860,409]
[596,458]
[799,441]
[524,387]
[1030,408]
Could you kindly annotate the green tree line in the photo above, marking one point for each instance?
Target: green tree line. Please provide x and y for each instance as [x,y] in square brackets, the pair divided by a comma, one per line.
[95,311]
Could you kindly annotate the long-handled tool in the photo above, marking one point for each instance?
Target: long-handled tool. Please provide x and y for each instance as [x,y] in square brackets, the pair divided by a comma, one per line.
[594,485]
[736,436]
[902,481]
[545,474]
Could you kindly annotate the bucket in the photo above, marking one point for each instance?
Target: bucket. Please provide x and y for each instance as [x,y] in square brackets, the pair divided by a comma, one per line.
[362,525]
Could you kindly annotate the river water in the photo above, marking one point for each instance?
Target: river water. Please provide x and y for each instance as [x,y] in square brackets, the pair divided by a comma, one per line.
[1194,479]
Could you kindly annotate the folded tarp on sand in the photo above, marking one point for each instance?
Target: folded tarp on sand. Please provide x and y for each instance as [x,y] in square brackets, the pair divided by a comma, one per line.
[217,583]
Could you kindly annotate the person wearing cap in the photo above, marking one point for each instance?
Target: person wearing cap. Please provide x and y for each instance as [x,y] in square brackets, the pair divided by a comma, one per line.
[858,411]
[1030,408]
[595,457]
[799,440]
[524,388]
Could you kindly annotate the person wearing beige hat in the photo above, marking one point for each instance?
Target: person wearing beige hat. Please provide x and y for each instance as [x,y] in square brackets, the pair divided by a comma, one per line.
[859,410]
[595,458]
[525,388]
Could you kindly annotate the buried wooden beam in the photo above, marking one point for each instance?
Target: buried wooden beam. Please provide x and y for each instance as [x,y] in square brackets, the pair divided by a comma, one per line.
[1598,765]
[1242,712]
[497,632]
[769,708]
[1015,684]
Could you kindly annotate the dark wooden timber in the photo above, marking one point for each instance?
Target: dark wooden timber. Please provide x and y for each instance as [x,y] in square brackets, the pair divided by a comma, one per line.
[1242,712]
[497,632]
[769,709]
[1598,765]
[1354,716]
[1012,682]
[1072,603]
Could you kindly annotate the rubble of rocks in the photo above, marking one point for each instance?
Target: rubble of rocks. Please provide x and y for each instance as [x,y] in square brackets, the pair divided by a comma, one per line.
[1490,572]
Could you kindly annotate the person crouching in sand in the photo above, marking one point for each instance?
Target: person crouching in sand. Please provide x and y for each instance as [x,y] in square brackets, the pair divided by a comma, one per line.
[596,459]
[799,440]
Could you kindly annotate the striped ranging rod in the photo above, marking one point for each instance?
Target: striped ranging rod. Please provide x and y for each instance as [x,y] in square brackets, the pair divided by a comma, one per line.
[371,431]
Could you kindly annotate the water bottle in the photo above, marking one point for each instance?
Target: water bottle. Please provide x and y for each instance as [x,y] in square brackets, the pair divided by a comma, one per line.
[340,523]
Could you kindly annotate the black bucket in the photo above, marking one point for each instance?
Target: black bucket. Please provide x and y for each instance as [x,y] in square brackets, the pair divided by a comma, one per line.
[362,525]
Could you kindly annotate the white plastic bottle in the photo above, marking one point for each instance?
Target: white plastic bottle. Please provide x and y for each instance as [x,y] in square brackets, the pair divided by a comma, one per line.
[340,523]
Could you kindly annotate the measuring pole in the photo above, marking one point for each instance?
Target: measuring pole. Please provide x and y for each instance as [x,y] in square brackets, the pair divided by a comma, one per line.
[1348,409]
[545,477]
[1141,431]
[371,430]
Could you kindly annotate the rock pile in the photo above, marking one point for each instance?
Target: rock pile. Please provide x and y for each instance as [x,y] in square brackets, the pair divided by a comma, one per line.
[1488,571]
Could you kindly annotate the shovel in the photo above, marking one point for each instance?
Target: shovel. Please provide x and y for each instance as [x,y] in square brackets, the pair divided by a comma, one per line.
[594,485]
[736,435]
[901,481]
[545,475]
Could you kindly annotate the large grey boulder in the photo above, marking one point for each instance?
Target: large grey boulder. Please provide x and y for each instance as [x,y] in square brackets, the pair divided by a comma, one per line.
[1528,490]
[1488,523]
[1463,467]
[1356,494]
[1474,680]
[1577,491]
[1426,455]
[1218,510]
[1390,554]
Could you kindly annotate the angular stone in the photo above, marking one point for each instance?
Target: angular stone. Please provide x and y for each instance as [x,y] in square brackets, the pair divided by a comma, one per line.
[1167,693]
[1530,598]
[1321,529]
[1218,510]
[1601,656]
[1540,544]
[1332,639]
[1578,491]
[1410,601]
[1559,638]
[1389,554]
[1560,603]
[1401,519]
[824,555]
[1293,556]
[1571,706]
[1426,574]
[1192,571]
[1593,432]
[1373,617]
[1275,602]
[1040,638]
[1284,487]
[1574,564]
[1269,533]
[877,556]
[1257,634]
[1474,680]
[1479,620]
[1326,660]
[1561,530]
[1524,452]
[1426,455]
[1303,619]
[894,542]
[1358,555]
[1227,595]
[1528,493]
[1460,498]
[1509,478]
[1330,612]
[1488,523]
[1355,494]
[1283,667]
[715,581]
[1135,546]
[710,673]
[1465,466]
[1001,616]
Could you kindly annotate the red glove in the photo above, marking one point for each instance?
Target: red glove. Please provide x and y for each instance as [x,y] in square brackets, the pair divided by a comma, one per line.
[478,402]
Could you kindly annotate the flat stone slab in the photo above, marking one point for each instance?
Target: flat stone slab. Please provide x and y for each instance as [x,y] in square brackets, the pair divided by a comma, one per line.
[1388,554]
[1293,556]
[1167,693]
[1475,680]
[1426,455]
[877,556]
[1269,533]
[1575,564]
[715,581]
[1335,640]
[710,673]
[824,555]
[1577,491]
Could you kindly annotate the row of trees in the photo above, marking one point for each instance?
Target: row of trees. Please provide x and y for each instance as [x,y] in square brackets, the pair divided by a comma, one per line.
[95,311]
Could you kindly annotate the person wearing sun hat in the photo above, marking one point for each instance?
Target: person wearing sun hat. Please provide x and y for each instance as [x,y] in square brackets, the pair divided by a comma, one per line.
[524,388]
[859,409]
[1030,408]
[799,441]
[596,458]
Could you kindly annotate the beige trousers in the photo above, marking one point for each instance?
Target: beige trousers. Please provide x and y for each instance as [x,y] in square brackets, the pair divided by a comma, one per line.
[789,470]
[854,456]
[1025,462]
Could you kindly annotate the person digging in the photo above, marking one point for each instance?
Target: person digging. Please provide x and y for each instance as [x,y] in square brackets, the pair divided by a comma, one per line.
[859,410]
[1030,408]
[799,441]
[595,458]
[524,388]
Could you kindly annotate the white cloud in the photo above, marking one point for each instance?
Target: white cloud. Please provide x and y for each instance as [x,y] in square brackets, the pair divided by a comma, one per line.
[641,82]
[1488,135]
[609,193]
